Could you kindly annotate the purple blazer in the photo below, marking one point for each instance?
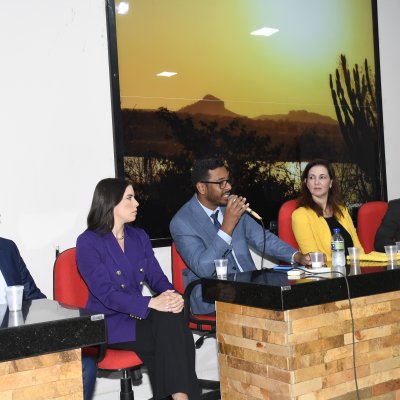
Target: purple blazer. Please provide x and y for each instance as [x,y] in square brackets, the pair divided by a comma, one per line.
[115,278]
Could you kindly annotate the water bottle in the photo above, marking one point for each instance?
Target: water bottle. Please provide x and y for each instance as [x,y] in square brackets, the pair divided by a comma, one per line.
[338,251]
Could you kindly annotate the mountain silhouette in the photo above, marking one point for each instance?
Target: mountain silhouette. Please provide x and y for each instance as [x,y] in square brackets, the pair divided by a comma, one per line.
[208,105]
[300,116]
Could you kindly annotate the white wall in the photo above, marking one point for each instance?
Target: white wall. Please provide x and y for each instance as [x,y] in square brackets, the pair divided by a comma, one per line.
[55,125]
[55,121]
[389,35]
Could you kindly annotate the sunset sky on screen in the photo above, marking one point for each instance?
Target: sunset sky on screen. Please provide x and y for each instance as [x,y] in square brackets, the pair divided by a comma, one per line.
[209,45]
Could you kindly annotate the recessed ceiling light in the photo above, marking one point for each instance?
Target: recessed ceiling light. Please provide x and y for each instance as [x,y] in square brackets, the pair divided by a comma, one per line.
[167,74]
[122,7]
[264,32]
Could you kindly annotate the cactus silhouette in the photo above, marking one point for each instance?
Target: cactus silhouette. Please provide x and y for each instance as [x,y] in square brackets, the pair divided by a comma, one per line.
[354,99]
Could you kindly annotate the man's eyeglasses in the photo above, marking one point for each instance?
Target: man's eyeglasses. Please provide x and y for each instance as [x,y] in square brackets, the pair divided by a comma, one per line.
[222,184]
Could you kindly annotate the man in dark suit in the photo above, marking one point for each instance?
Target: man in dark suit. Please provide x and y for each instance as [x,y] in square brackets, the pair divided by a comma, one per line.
[214,224]
[389,229]
[13,271]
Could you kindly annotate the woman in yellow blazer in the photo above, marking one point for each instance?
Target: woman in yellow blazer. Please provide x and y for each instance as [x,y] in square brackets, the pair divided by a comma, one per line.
[320,209]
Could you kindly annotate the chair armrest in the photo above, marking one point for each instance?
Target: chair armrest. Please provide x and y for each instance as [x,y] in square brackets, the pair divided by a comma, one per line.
[187,313]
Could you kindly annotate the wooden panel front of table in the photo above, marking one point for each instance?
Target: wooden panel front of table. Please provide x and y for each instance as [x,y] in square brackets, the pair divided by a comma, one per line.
[50,376]
[307,353]
[40,350]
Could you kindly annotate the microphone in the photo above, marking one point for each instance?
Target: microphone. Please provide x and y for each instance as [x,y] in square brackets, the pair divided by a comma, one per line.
[251,212]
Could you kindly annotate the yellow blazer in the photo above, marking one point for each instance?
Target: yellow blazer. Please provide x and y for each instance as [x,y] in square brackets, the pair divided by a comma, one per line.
[312,232]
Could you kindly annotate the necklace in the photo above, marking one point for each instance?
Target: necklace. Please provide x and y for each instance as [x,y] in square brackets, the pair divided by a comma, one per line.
[119,238]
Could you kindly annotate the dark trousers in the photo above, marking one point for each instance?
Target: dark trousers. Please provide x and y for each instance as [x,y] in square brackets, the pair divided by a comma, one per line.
[166,346]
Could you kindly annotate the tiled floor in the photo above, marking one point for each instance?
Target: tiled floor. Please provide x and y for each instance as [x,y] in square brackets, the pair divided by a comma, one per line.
[206,367]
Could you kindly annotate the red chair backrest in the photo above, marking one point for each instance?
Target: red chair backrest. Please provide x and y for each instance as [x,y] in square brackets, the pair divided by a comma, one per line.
[369,218]
[69,287]
[285,231]
[178,265]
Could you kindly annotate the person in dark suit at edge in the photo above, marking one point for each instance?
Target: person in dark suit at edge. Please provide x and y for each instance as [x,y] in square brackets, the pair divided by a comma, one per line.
[13,271]
[389,230]
[213,224]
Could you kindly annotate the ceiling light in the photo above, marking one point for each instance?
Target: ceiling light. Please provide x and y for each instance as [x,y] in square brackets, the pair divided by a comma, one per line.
[122,7]
[264,32]
[167,74]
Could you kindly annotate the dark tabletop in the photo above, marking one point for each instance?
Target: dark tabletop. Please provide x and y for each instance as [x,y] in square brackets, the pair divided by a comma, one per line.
[272,289]
[45,326]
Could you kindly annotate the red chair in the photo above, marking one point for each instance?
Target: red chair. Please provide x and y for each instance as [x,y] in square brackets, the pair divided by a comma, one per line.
[70,289]
[369,218]
[285,231]
[204,325]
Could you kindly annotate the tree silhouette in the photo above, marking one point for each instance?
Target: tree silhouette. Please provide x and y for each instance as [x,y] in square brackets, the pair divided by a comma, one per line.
[354,98]
[250,156]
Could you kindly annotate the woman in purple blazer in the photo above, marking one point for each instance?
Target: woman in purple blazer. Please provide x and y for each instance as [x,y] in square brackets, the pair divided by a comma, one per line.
[116,260]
